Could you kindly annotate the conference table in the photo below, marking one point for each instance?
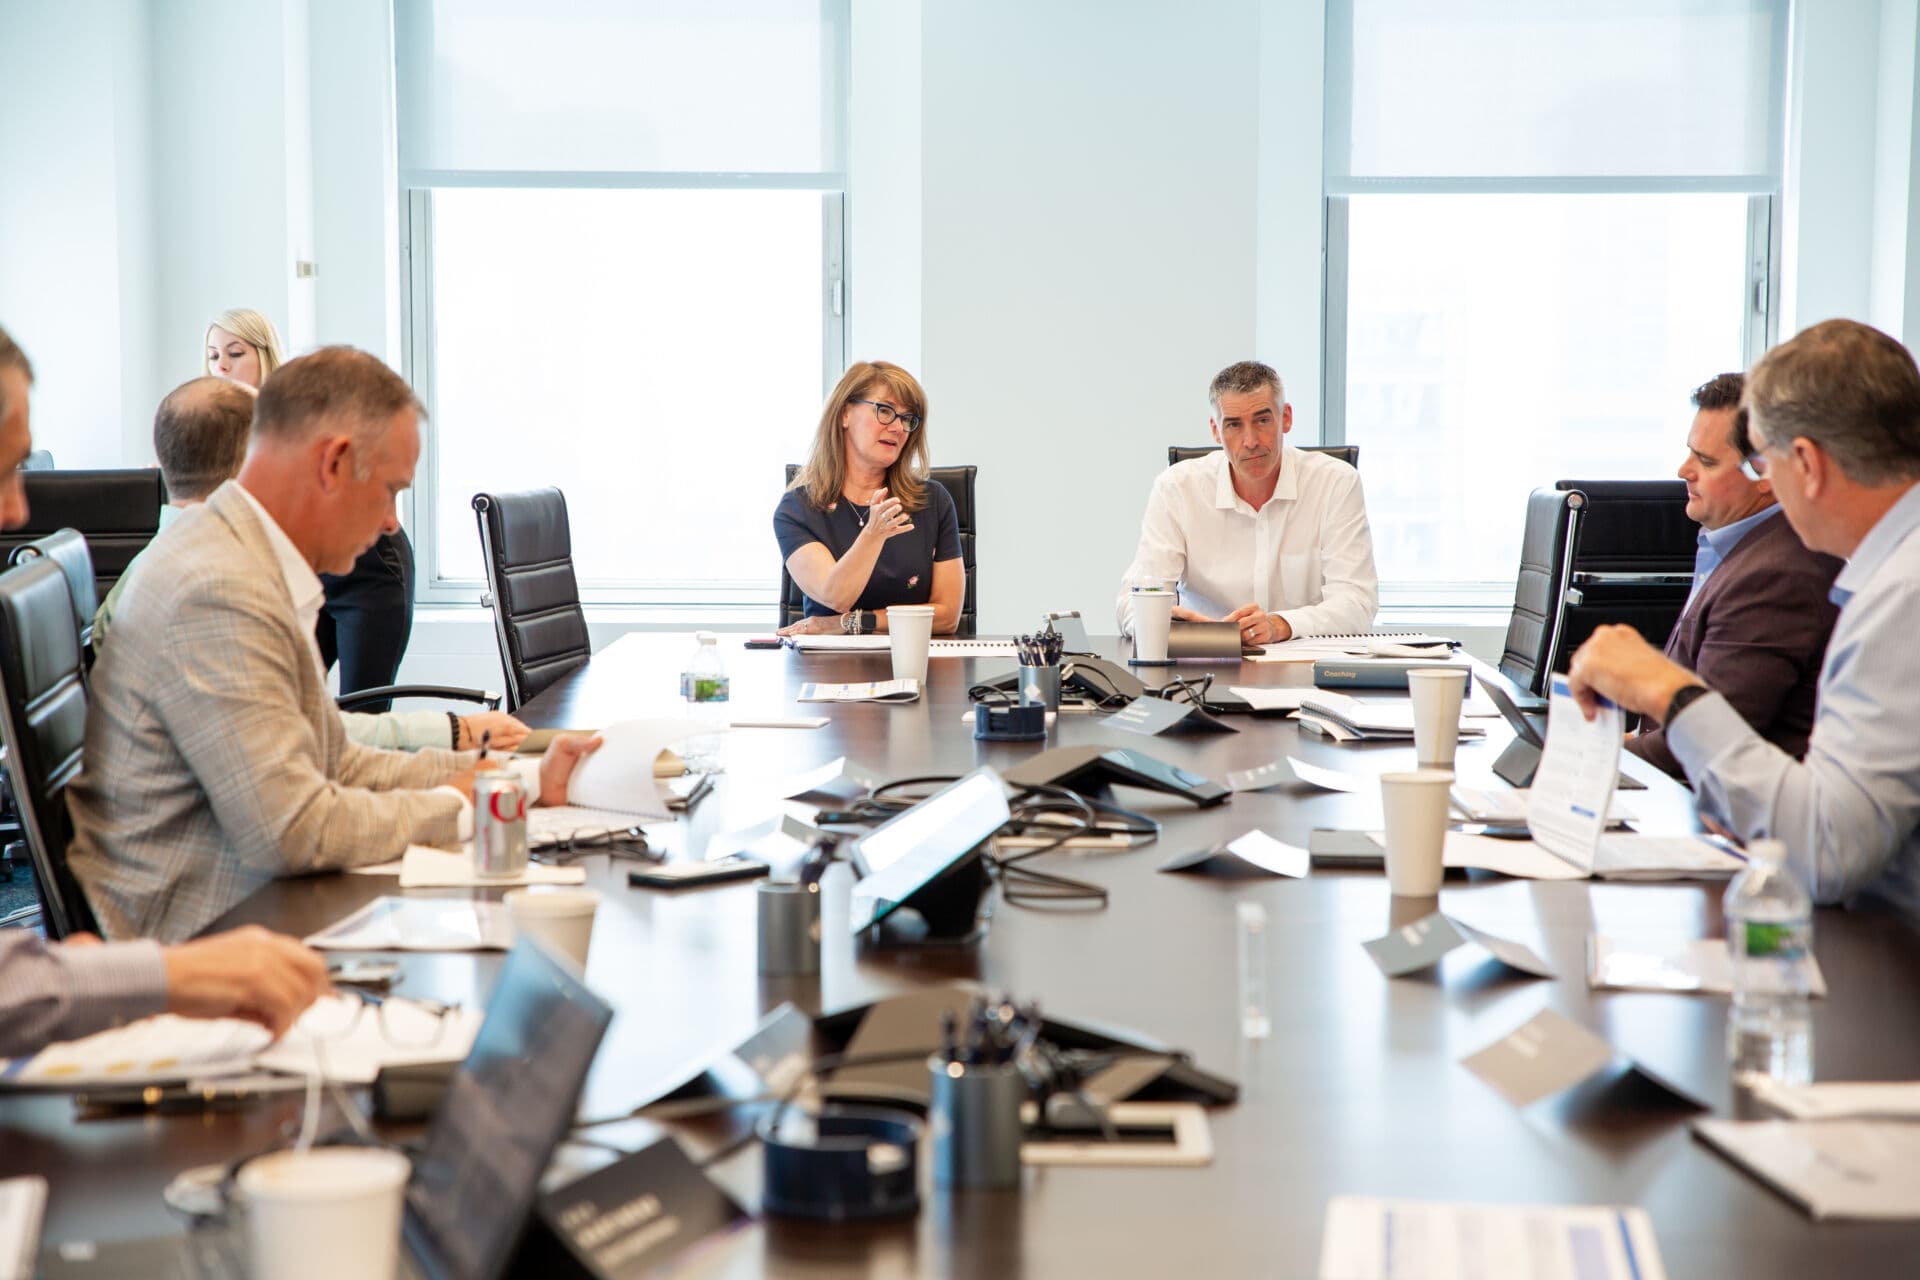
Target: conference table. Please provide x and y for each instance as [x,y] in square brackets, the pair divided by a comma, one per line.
[1356,1089]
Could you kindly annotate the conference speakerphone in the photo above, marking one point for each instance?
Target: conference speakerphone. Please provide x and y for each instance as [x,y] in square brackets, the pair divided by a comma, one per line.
[1094,770]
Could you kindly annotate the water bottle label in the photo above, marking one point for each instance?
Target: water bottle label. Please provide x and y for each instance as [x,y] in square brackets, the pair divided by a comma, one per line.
[1772,941]
[703,688]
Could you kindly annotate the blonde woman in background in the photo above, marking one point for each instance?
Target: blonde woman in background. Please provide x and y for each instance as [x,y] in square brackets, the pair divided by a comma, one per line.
[367,616]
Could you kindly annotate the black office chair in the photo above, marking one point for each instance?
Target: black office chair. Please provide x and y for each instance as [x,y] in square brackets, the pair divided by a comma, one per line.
[43,720]
[1596,552]
[959,482]
[527,545]
[117,511]
[67,548]
[1347,453]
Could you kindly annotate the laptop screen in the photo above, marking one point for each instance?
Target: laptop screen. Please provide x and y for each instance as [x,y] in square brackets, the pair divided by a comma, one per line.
[505,1111]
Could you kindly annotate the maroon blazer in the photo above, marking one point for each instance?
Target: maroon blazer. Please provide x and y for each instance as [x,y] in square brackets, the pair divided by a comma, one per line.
[1757,634]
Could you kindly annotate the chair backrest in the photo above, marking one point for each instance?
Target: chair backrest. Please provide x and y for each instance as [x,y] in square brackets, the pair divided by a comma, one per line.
[68,549]
[1597,552]
[528,549]
[117,511]
[1632,561]
[43,721]
[959,483]
[1347,453]
[1539,594]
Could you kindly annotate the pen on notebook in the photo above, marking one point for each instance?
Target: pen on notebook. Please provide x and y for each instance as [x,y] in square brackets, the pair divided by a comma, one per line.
[699,791]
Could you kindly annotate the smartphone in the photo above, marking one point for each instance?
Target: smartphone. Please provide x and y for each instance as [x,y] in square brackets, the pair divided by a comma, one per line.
[364,973]
[764,642]
[681,875]
[1330,848]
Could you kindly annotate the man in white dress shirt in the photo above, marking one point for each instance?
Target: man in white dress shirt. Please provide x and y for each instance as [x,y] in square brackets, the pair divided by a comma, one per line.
[1259,533]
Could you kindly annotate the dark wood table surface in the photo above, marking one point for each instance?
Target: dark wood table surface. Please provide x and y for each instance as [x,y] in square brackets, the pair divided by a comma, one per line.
[1356,1090]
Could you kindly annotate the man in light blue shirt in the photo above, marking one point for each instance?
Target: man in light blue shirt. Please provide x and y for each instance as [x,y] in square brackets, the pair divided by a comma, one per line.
[1832,418]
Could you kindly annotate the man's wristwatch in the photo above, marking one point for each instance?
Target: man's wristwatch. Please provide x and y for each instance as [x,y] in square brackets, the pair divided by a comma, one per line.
[1682,698]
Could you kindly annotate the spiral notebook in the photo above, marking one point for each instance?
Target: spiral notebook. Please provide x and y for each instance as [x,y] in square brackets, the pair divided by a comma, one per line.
[1367,644]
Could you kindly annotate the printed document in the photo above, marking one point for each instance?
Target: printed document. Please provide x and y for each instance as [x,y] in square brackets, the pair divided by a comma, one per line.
[1860,1169]
[1369,1239]
[1573,787]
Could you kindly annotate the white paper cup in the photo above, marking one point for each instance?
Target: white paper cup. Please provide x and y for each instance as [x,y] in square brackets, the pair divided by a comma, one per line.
[561,918]
[1437,695]
[1416,805]
[909,633]
[324,1213]
[1152,619]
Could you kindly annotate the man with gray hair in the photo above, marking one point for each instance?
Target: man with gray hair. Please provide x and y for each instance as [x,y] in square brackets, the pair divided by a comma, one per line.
[214,759]
[1832,418]
[1259,533]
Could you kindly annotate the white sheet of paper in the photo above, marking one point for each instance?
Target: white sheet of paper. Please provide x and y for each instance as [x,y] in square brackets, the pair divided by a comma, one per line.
[1669,964]
[1325,779]
[420,924]
[907,690]
[619,776]
[1269,698]
[1573,787]
[838,774]
[1855,1169]
[153,1050]
[1269,854]
[357,1055]
[1624,856]
[1509,805]
[1522,859]
[23,1204]
[1840,1099]
[779,722]
[1371,1239]
[425,868]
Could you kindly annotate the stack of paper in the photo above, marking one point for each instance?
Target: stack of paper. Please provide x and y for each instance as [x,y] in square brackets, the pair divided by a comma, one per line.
[1346,718]
[938,648]
[1669,964]
[1860,1169]
[1377,644]
[907,690]
[1369,1239]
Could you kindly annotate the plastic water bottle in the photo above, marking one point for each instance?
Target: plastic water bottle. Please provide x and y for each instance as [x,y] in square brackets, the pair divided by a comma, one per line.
[704,685]
[1770,944]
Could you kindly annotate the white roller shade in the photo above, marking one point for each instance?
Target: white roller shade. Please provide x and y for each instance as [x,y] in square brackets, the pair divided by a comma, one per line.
[1571,89]
[505,87]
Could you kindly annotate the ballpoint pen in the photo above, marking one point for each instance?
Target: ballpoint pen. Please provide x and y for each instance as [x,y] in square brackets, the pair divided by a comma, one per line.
[486,741]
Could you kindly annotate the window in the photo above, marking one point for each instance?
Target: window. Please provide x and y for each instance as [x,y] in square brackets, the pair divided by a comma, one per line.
[1546,223]
[624,233]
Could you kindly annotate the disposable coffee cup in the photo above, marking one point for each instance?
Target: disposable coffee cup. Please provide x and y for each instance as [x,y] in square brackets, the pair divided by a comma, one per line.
[1416,805]
[909,633]
[561,918]
[1152,620]
[324,1213]
[1437,694]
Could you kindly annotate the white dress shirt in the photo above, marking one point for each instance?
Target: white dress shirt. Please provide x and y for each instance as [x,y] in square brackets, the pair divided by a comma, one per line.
[1849,813]
[1306,554]
[307,593]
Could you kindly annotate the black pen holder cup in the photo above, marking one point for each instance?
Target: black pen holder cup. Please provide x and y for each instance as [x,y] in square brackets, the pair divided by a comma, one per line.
[789,928]
[974,1112]
[1040,687]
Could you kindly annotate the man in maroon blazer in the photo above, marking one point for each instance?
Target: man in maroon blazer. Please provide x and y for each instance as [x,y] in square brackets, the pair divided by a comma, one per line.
[1756,626]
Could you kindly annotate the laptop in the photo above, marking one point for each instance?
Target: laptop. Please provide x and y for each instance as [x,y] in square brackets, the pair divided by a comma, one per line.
[476,1175]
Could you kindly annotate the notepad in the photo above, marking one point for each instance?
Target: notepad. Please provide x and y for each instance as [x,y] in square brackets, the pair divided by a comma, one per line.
[907,690]
[23,1203]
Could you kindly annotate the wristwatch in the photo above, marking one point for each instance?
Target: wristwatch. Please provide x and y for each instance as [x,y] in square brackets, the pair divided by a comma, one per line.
[1682,698]
[856,622]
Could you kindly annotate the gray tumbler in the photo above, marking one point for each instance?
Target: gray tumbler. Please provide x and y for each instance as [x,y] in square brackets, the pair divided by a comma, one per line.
[1040,686]
[975,1117]
[789,928]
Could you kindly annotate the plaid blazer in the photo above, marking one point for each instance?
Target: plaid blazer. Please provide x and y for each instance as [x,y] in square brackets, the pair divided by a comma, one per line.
[215,760]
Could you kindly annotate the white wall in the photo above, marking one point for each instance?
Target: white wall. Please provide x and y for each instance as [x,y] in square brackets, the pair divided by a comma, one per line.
[76,262]
[1089,184]
[355,181]
[1290,210]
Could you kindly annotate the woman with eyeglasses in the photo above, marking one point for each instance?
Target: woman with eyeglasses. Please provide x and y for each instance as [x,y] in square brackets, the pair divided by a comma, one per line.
[862,527]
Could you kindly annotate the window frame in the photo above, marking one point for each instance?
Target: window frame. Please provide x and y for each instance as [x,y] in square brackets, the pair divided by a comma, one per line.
[418,335]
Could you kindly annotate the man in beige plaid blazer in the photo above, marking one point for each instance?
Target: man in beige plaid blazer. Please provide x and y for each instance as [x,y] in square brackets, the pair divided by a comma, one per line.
[215,760]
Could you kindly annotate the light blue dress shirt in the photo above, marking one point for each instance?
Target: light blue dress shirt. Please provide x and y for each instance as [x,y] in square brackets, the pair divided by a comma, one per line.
[1850,813]
[1717,544]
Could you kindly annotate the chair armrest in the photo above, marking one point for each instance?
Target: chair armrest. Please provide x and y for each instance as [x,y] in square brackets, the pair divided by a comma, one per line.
[486,697]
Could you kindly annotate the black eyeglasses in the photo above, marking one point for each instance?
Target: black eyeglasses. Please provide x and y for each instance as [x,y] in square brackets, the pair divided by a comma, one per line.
[889,415]
[1753,461]
[629,843]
